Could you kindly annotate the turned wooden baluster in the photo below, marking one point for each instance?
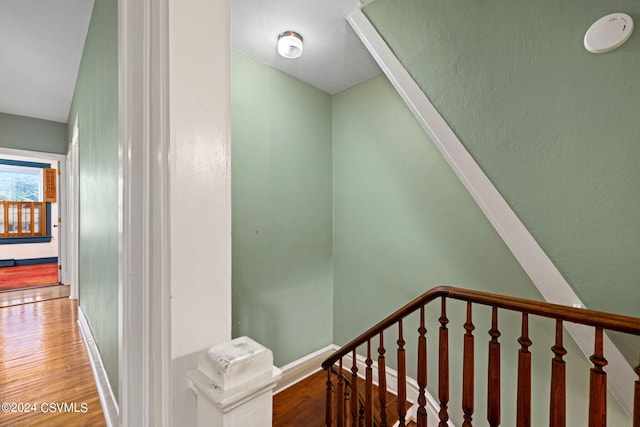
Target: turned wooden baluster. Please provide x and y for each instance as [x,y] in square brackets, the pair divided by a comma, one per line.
[523,412]
[382,382]
[354,389]
[368,400]
[422,372]
[493,381]
[636,405]
[468,370]
[329,404]
[443,366]
[346,407]
[402,378]
[340,398]
[558,403]
[598,384]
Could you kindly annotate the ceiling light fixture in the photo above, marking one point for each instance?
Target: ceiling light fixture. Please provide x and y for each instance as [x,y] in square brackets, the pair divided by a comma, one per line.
[290,44]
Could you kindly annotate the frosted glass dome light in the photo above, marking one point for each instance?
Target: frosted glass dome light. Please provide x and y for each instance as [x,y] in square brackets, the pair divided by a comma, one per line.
[290,44]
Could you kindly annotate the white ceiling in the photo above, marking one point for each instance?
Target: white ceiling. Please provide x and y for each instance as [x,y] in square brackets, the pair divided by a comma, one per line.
[334,58]
[41,44]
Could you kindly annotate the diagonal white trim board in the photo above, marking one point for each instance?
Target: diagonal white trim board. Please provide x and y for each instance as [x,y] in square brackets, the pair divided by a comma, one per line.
[543,273]
[107,399]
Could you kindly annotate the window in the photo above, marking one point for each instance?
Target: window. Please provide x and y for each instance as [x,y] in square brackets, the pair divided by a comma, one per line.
[22,219]
[20,183]
[26,191]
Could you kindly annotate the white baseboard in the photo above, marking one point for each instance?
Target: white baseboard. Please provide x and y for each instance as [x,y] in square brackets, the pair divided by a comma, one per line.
[107,399]
[302,368]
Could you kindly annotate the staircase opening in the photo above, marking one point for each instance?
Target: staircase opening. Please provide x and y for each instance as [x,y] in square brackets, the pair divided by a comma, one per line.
[392,331]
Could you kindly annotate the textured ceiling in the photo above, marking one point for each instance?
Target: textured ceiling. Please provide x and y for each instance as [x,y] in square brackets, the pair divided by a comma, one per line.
[334,58]
[41,44]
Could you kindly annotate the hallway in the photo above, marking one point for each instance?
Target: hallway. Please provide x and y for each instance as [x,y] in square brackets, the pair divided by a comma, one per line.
[45,376]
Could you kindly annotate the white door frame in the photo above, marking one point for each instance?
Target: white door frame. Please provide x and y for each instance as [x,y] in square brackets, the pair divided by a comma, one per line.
[63,195]
[143,197]
[72,215]
[61,160]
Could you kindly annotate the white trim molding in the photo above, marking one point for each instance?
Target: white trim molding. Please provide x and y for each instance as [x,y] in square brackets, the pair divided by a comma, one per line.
[143,267]
[36,154]
[304,367]
[71,218]
[543,273]
[107,399]
[61,159]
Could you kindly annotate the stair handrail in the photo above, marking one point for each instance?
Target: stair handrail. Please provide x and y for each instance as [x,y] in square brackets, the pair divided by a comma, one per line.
[601,321]
[609,321]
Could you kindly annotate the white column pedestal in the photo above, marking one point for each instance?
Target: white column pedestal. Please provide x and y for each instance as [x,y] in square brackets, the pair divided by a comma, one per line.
[234,385]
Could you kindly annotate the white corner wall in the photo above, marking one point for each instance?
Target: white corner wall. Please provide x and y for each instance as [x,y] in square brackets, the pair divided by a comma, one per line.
[200,191]
[175,234]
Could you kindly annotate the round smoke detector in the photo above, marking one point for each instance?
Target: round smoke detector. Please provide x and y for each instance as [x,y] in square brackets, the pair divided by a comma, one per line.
[608,33]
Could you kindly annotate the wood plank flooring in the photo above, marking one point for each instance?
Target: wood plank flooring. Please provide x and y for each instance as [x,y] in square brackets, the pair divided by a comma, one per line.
[25,276]
[303,404]
[25,296]
[43,363]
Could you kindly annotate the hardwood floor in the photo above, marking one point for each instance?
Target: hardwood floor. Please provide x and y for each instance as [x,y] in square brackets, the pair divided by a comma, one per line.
[303,404]
[26,276]
[43,364]
[25,296]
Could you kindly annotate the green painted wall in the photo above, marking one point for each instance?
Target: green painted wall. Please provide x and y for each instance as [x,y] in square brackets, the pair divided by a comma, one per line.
[403,223]
[281,210]
[554,127]
[96,104]
[27,133]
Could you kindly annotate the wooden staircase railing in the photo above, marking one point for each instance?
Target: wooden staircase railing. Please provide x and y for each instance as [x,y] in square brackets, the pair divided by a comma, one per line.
[354,403]
[557,418]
